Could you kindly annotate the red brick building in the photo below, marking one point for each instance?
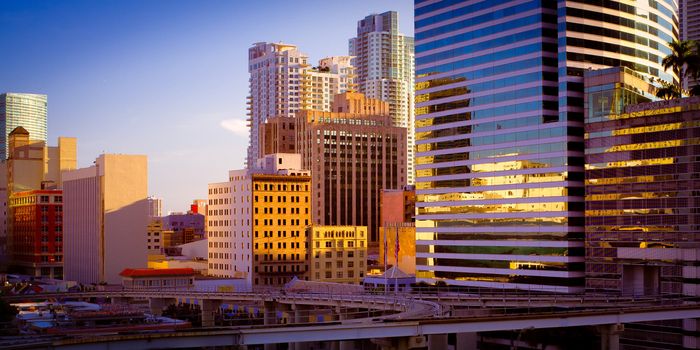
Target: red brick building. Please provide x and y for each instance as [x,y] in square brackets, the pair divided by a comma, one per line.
[36,218]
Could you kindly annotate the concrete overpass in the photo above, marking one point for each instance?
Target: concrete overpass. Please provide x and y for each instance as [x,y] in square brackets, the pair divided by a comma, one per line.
[401,334]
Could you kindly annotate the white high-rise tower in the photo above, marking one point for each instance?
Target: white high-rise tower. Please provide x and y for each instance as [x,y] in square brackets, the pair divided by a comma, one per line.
[385,66]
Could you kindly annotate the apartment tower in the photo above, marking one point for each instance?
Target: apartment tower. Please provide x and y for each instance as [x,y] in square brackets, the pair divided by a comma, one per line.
[499,131]
[283,82]
[384,63]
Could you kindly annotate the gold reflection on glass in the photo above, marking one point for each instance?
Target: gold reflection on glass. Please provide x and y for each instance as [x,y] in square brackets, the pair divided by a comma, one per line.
[646,113]
[617,212]
[631,163]
[637,195]
[494,208]
[513,193]
[630,179]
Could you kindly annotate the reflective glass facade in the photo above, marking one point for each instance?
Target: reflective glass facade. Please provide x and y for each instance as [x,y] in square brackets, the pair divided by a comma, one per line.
[25,110]
[642,171]
[499,131]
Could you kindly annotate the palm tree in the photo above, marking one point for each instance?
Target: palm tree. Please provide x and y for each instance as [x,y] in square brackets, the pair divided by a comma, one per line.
[682,53]
[668,91]
[685,62]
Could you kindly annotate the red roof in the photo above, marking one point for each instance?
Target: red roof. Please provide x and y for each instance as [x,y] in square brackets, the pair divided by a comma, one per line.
[156,272]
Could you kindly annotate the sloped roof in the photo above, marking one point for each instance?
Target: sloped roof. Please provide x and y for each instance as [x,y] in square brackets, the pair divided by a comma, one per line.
[395,272]
[19,131]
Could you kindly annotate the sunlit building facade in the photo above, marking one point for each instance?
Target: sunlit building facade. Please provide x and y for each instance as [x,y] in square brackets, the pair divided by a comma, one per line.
[499,131]
[25,110]
[37,232]
[257,220]
[337,253]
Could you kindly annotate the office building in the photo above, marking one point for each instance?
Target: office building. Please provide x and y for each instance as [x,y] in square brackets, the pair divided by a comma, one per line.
[385,70]
[642,236]
[154,236]
[283,82]
[155,207]
[105,218]
[257,221]
[499,136]
[25,110]
[352,157]
[190,226]
[337,253]
[37,232]
[32,198]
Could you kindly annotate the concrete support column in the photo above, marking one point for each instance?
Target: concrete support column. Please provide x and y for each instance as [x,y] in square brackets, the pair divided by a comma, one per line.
[156,305]
[610,336]
[269,313]
[209,308]
[402,343]
[270,318]
[466,341]
[437,341]
[301,315]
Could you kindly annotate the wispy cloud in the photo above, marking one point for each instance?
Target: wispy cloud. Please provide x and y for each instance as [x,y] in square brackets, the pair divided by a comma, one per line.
[236,126]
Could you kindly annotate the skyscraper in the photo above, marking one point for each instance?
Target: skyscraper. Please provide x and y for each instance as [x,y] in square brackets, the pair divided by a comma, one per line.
[283,82]
[25,110]
[384,63]
[499,131]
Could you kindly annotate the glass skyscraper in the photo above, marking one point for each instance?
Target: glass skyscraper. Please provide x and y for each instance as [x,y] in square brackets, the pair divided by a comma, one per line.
[25,110]
[499,131]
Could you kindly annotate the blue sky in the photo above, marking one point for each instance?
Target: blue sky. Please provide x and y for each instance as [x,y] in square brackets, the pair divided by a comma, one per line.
[163,78]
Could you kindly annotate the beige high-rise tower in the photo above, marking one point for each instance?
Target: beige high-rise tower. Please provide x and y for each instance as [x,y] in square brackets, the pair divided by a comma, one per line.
[105,218]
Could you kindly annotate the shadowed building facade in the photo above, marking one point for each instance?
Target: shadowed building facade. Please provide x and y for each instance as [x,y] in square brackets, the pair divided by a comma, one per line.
[642,220]
[105,215]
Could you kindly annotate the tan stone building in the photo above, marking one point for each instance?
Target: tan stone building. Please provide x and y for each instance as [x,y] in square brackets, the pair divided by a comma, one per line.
[105,218]
[337,253]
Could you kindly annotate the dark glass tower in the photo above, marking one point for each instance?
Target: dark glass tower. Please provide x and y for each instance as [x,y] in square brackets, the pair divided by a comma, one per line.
[499,131]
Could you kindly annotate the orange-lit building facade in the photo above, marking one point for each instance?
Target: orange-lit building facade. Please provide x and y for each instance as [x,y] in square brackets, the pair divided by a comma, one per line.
[37,227]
